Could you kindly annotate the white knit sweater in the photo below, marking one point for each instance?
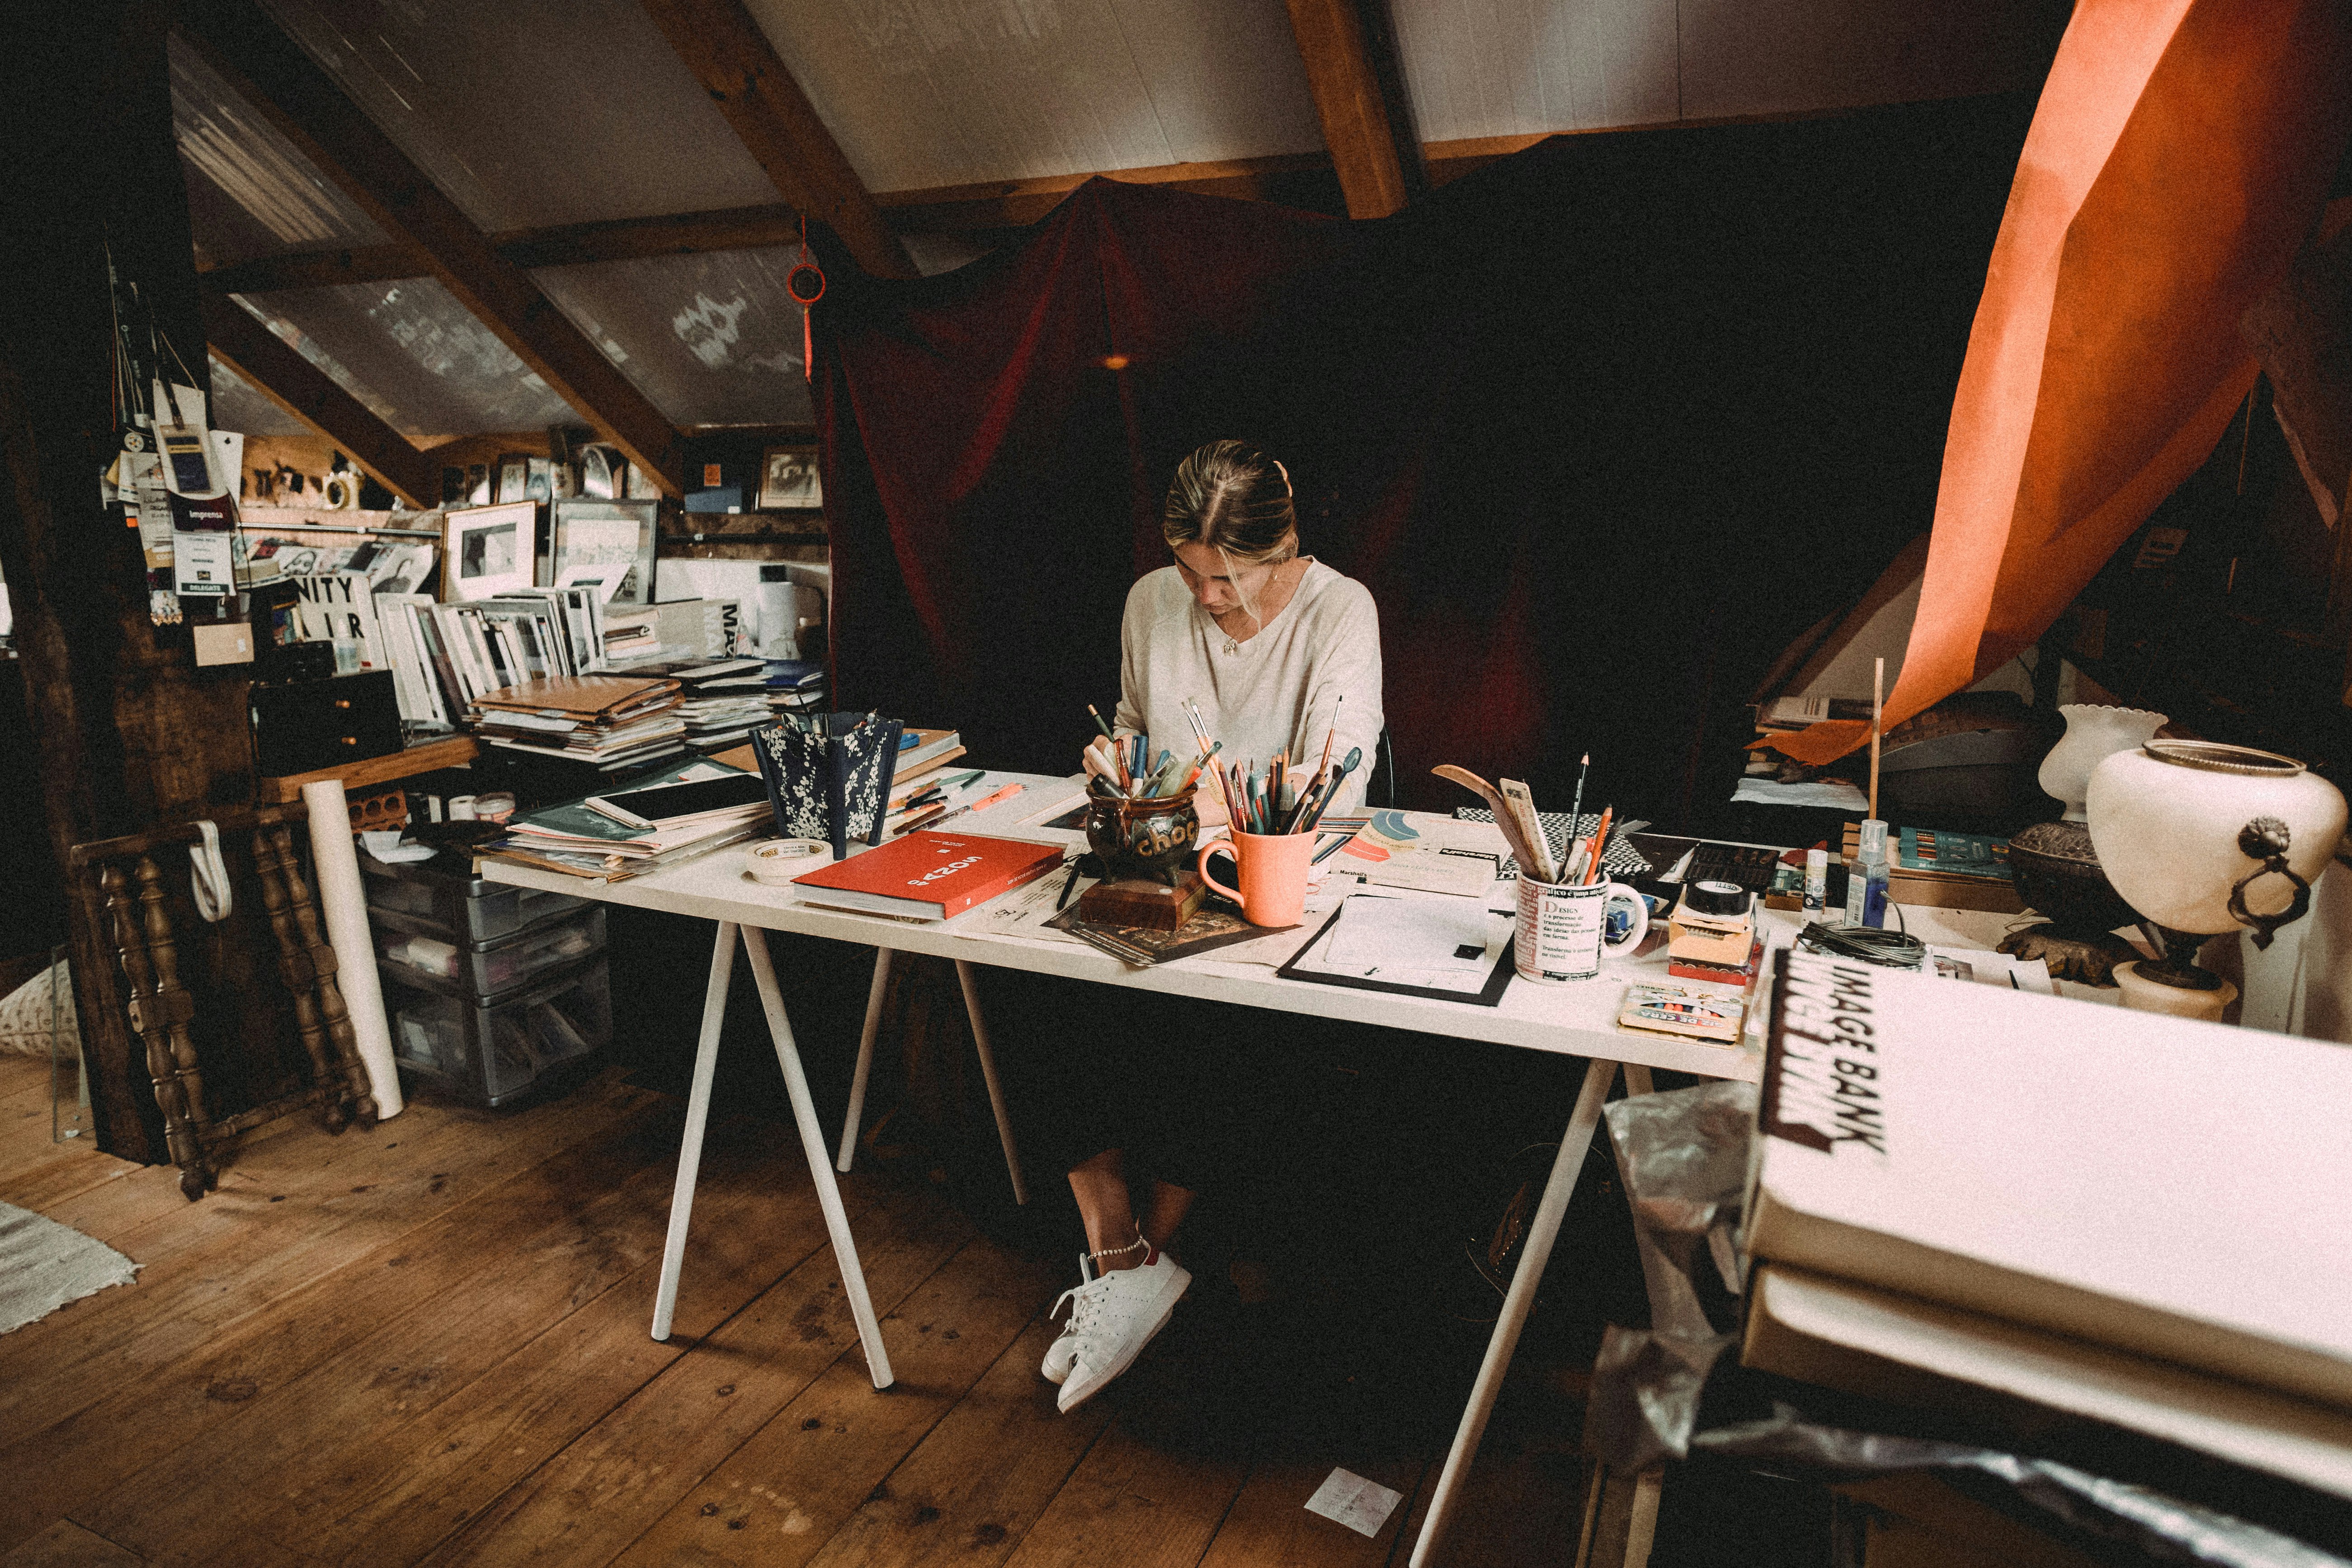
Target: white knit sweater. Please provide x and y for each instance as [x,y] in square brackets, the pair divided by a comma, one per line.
[1277,692]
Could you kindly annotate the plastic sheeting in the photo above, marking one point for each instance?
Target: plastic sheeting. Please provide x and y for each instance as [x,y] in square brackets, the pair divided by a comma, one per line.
[948,92]
[712,339]
[531,113]
[250,193]
[414,356]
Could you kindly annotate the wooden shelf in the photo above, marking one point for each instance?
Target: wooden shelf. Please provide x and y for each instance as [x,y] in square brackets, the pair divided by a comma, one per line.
[425,756]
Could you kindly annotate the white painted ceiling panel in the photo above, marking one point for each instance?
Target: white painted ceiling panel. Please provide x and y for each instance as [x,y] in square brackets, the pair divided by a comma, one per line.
[922,93]
[1515,68]
[250,193]
[533,113]
[1770,56]
[712,339]
[414,356]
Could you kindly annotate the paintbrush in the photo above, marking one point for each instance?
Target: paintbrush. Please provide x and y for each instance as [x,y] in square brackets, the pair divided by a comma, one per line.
[1576,806]
[1331,793]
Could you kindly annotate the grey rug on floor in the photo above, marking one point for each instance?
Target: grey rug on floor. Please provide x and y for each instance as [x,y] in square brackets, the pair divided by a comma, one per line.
[44,1265]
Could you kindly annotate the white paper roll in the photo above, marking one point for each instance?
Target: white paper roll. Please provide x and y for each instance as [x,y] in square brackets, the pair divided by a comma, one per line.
[345,907]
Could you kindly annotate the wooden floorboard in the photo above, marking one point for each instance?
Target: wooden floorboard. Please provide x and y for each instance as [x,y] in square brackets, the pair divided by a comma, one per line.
[428,1342]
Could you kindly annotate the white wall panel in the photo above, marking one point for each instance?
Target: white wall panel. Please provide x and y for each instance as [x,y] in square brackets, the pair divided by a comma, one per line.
[1770,56]
[414,356]
[1511,68]
[921,93]
[533,112]
[710,339]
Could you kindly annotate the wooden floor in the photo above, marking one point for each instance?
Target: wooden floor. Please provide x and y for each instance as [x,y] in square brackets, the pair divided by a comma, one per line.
[426,1343]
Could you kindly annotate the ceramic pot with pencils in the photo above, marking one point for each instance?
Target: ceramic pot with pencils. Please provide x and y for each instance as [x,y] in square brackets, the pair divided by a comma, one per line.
[1153,839]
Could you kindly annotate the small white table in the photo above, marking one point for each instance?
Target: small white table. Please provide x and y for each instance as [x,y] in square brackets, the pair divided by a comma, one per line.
[1573,1020]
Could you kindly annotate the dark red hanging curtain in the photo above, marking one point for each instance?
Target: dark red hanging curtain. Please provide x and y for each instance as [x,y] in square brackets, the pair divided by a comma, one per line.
[1603,427]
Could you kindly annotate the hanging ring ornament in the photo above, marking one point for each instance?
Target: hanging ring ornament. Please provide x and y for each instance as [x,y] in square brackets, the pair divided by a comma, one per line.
[805,284]
[2266,839]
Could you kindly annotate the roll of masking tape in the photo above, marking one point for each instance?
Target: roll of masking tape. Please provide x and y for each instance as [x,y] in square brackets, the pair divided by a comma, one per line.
[781,859]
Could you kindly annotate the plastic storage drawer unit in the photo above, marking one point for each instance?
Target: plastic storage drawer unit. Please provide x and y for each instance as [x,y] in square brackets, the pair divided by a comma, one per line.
[459,906]
[490,1052]
[408,948]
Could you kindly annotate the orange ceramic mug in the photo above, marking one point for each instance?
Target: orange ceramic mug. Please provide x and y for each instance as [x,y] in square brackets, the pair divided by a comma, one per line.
[1273,868]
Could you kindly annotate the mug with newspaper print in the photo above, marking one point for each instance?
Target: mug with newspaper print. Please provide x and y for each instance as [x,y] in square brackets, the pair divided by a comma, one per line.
[1564,929]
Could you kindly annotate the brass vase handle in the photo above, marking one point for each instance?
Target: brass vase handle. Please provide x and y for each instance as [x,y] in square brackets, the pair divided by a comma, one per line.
[2266,839]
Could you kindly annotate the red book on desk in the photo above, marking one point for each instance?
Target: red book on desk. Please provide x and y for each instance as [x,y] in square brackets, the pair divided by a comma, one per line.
[929,876]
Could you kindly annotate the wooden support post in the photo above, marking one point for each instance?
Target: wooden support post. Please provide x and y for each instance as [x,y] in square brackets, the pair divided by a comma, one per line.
[308,394]
[282,83]
[1366,123]
[723,44]
[127,731]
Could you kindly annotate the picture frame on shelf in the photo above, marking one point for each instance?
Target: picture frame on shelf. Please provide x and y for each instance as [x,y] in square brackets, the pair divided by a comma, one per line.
[614,536]
[490,550]
[789,480]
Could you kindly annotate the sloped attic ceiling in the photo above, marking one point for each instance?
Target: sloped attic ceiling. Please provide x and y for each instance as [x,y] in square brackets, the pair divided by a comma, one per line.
[550,122]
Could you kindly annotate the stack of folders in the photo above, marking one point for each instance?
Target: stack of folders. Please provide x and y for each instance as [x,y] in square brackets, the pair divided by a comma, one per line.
[603,719]
[446,658]
[1961,1191]
[722,700]
[589,841]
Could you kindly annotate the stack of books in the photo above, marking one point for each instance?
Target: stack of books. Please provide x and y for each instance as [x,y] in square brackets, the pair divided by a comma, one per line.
[1944,870]
[607,720]
[2121,1216]
[925,786]
[584,841]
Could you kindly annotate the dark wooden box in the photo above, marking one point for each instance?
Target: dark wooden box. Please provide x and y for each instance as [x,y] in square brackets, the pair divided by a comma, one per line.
[303,726]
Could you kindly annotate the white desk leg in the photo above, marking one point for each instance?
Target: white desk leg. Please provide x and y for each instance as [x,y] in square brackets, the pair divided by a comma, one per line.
[1541,1233]
[1637,1079]
[988,1072]
[882,956]
[698,1113]
[828,1193]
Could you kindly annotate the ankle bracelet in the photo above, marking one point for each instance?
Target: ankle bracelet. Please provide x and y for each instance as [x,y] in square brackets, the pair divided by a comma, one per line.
[1136,1245]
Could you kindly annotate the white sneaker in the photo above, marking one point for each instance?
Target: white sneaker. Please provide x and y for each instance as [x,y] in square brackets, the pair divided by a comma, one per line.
[1064,1351]
[1112,1318]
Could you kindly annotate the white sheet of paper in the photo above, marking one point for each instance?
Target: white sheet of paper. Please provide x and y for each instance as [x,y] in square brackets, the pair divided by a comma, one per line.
[1455,975]
[1834,793]
[1363,1506]
[1410,933]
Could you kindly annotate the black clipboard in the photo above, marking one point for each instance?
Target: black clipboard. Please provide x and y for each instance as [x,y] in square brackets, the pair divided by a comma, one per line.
[1487,995]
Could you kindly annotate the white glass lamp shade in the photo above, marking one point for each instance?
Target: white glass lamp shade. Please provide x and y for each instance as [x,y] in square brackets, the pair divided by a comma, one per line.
[2172,822]
[2094,733]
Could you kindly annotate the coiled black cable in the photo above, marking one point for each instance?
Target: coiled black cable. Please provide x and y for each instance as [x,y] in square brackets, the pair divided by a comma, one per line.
[1887,949]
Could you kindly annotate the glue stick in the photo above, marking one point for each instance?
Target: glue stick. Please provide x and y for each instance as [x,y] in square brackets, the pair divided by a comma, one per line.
[1872,872]
[1817,882]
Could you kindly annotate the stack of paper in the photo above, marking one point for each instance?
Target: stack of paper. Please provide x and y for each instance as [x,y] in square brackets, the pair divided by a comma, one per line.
[576,837]
[603,718]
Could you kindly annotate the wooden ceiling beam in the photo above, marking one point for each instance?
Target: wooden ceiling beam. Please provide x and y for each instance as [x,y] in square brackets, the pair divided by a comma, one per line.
[279,80]
[723,44]
[1367,123]
[310,394]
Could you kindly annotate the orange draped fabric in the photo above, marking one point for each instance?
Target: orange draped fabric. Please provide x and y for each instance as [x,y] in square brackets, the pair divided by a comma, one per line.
[2179,153]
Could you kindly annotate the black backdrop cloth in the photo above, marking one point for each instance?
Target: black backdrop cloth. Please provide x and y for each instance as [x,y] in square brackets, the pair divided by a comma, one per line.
[1603,427]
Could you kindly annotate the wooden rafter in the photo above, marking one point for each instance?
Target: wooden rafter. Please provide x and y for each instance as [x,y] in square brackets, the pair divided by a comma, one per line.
[281,82]
[308,394]
[1365,121]
[723,44]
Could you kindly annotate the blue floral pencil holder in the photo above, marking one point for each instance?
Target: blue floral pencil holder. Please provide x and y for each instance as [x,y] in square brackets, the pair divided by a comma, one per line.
[828,776]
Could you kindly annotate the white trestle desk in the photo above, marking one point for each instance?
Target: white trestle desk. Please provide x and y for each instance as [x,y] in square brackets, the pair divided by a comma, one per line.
[1577,1020]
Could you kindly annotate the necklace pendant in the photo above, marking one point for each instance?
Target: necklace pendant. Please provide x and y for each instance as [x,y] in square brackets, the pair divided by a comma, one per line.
[1233,646]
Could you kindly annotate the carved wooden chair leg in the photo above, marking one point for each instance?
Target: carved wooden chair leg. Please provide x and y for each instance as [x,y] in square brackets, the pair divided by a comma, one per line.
[156,1016]
[333,1085]
[345,1038]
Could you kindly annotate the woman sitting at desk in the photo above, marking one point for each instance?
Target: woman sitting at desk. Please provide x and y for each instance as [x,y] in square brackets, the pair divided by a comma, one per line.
[1268,643]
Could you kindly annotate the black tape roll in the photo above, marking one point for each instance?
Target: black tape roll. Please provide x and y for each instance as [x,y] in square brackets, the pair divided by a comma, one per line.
[1717,899]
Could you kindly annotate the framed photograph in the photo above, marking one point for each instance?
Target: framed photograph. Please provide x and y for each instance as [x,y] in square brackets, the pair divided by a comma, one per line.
[610,541]
[787,478]
[491,549]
